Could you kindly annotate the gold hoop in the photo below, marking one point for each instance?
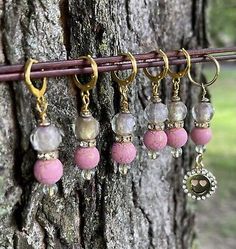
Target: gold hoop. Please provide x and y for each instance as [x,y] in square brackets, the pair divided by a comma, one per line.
[35,91]
[185,70]
[162,74]
[217,66]
[92,83]
[128,80]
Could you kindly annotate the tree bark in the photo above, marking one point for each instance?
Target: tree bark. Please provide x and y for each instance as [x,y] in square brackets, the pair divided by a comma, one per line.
[146,208]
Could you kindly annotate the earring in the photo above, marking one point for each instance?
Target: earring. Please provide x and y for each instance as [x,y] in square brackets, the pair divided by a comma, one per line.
[123,151]
[45,139]
[176,134]
[199,183]
[156,113]
[87,155]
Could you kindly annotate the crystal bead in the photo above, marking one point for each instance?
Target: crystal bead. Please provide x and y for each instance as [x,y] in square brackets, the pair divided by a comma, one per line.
[123,124]
[177,111]
[123,169]
[46,138]
[88,174]
[176,152]
[200,149]
[50,190]
[153,154]
[156,112]
[86,128]
[203,112]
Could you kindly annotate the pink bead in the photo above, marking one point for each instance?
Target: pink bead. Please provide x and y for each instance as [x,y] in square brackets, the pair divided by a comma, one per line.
[176,137]
[123,153]
[48,171]
[87,158]
[201,136]
[155,140]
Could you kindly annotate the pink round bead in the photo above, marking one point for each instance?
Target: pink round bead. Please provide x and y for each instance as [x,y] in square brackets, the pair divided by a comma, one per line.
[201,136]
[87,158]
[176,137]
[48,171]
[123,153]
[155,140]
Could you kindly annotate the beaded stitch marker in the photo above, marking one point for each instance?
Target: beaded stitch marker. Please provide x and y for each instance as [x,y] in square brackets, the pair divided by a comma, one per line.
[156,113]
[123,150]
[45,139]
[87,155]
[176,134]
[199,183]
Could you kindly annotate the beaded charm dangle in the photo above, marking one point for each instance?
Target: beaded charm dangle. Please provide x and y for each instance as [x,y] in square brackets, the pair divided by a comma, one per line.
[45,139]
[176,134]
[156,113]
[123,150]
[87,155]
[200,183]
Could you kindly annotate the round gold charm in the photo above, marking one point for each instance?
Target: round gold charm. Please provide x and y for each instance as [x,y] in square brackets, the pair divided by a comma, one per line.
[199,184]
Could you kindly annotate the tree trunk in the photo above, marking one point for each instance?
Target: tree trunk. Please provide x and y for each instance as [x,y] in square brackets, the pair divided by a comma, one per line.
[146,208]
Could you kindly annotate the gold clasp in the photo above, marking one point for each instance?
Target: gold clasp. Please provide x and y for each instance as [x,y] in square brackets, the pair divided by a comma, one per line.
[131,77]
[182,73]
[92,83]
[88,86]
[123,83]
[155,79]
[38,93]
[217,67]
[206,84]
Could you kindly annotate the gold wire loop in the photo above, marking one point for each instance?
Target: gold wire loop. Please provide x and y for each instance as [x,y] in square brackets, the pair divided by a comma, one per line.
[217,66]
[163,73]
[41,107]
[92,83]
[38,93]
[85,101]
[199,161]
[185,70]
[131,77]
[124,99]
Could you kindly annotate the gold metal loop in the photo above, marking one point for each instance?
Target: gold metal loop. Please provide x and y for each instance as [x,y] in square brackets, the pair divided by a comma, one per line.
[92,83]
[128,80]
[199,161]
[163,73]
[185,70]
[35,91]
[217,66]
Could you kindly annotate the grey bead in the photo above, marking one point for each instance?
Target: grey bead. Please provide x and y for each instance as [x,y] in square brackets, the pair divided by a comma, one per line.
[203,112]
[86,128]
[156,112]
[46,138]
[177,111]
[123,124]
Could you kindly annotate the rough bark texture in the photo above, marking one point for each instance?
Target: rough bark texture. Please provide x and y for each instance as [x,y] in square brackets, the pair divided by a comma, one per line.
[145,209]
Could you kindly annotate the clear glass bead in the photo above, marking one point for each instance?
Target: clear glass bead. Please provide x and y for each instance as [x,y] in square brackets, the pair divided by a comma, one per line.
[50,190]
[156,112]
[86,128]
[200,149]
[203,112]
[88,174]
[176,152]
[177,111]
[46,138]
[123,169]
[123,124]
[153,154]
